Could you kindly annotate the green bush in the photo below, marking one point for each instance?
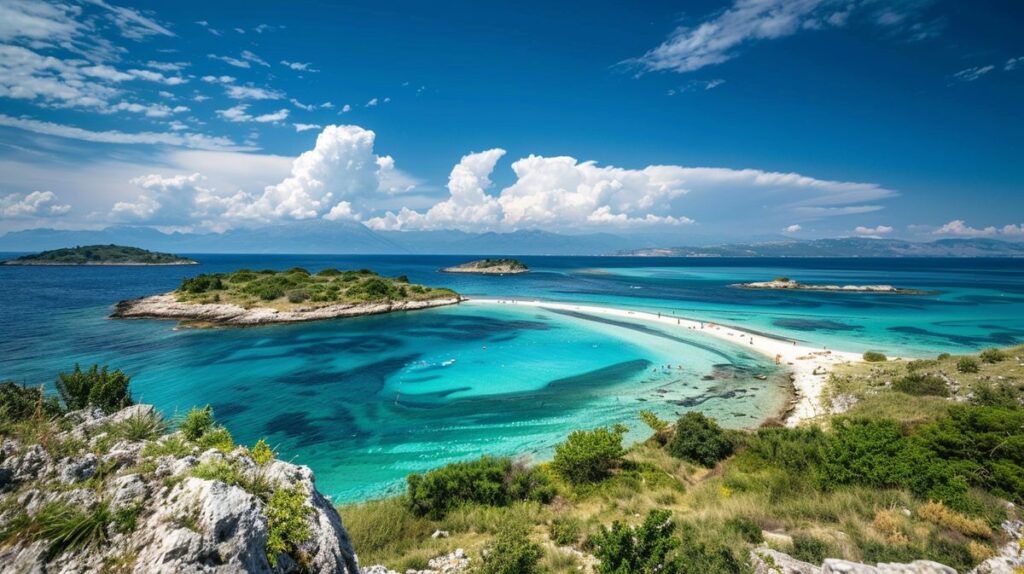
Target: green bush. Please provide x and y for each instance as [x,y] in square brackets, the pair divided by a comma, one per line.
[18,403]
[287,522]
[876,453]
[748,530]
[992,355]
[488,480]
[511,551]
[297,295]
[651,420]
[95,387]
[810,549]
[261,452]
[699,439]
[922,384]
[647,549]
[197,422]
[875,357]
[967,365]
[984,445]
[329,272]
[588,456]
[565,530]
[201,284]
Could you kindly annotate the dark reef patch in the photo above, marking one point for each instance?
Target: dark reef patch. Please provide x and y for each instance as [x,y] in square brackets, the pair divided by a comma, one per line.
[815,325]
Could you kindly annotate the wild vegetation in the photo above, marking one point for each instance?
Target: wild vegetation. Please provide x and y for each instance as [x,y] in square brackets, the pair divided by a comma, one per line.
[906,473]
[496,266]
[31,417]
[298,287]
[97,254]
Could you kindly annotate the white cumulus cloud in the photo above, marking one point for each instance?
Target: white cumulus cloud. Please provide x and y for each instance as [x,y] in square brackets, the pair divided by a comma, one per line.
[876,230]
[35,204]
[958,228]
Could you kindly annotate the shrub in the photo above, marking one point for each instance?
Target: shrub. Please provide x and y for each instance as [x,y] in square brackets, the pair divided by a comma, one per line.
[699,439]
[876,453]
[487,480]
[749,530]
[967,365]
[565,530]
[810,549]
[942,356]
[511,551]
[18,403]
[286,521]
[646,549]
[588,456]
[217,437]
[197,422]
[874,357]
[922,384]
[201,284]
[992,355]
[920,364]
[983,445]
[297,295]
[329,272]
[261,452]
[95,387]
[651,420]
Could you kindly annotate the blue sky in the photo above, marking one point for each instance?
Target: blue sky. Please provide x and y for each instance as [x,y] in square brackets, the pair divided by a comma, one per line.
[703,120]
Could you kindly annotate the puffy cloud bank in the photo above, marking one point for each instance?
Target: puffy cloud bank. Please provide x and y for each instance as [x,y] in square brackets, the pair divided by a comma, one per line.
[343,177]
[35,204]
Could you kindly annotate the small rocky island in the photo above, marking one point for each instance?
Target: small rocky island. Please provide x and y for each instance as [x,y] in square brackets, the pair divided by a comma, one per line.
[246,297]
[489,267]
[785,283]
[101,255]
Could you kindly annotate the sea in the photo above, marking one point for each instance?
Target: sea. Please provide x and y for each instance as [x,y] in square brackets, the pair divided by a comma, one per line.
[366,401]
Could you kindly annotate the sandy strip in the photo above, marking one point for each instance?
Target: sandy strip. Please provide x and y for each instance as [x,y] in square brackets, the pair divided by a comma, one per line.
[810,366]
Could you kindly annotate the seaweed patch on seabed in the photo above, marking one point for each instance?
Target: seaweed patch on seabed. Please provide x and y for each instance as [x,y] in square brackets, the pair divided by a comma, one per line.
[815,325]
[471,328]
[305,430]
[366,379]
[553,399]
[228,410]
[1006,338]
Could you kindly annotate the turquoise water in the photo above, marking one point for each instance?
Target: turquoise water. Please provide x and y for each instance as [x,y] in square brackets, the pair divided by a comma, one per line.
[366,401]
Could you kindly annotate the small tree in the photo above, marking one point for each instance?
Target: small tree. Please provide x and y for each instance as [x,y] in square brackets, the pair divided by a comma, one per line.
[95,387]
[699,439]
[197,422]
[588,456]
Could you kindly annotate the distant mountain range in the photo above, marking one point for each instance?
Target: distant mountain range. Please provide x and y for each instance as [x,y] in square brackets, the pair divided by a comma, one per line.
[326,237]
[352,237]
[844,247]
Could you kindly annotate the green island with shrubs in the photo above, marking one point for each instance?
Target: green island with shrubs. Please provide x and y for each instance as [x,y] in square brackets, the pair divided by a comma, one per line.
[916,460]
[247,297]
[100,255]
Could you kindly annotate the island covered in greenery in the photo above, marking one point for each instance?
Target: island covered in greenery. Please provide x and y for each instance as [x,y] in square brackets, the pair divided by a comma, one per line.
[489,267]
[101,255]
[247,297]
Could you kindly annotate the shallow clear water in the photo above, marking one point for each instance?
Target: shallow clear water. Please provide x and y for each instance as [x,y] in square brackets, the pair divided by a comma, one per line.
[366,401]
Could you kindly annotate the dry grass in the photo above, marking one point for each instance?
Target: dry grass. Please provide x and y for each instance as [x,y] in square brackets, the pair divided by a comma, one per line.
[938,514]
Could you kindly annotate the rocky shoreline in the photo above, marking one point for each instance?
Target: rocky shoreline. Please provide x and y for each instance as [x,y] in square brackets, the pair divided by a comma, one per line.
[797,286]
[167,306]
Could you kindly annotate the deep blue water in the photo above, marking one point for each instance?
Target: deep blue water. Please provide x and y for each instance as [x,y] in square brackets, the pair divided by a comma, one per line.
[365,401]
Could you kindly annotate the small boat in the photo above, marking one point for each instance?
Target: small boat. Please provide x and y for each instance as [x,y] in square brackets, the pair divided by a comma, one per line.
[448,362]
[761,377]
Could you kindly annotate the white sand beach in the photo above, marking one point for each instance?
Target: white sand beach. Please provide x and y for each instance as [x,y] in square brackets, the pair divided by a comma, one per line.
[810,366]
